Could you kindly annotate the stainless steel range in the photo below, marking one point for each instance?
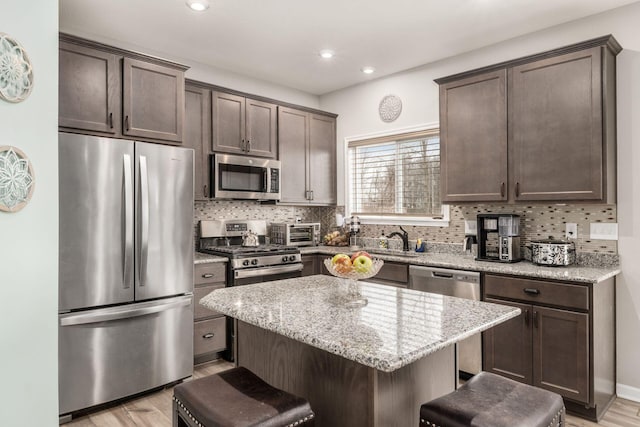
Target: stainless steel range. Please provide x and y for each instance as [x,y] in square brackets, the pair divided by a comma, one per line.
[251,259]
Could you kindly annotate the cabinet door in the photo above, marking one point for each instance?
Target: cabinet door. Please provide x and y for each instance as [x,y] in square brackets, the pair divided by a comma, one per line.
[197,135]
[473,138]
[89,85]
[228,122]
[561,352]
[555,126]
[293,131]
[153,101]
[261,128]
[322,160]
[309,265]
[507,346]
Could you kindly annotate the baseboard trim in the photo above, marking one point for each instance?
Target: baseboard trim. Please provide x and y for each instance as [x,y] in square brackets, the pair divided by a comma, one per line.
[628,392]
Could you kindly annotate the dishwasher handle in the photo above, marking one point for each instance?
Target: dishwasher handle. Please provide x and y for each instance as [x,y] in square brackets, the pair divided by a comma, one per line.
[416,271]
[442,275]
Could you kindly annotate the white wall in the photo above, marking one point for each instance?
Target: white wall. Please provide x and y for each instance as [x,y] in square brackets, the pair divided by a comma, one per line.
[29,238]
[357,108]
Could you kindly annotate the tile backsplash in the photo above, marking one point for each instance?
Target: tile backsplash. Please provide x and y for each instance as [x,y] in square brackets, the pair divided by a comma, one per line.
[538,221]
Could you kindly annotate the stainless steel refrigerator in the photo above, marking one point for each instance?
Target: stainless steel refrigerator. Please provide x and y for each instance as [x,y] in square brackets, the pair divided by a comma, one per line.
[125,268]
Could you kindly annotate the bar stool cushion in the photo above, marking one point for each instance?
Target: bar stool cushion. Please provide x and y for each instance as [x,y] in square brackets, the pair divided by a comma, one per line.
[489,400]
[238,397]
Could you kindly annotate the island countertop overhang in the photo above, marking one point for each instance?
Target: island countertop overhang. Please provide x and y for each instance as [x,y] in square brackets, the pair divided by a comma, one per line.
[396,327]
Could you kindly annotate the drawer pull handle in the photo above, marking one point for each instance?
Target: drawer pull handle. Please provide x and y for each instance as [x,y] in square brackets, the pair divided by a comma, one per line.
[207,276]
[531,291]
[526,317]
[536,319]
[208,336]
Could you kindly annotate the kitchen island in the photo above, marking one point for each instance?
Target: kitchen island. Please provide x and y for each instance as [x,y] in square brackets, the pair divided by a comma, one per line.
[369,366]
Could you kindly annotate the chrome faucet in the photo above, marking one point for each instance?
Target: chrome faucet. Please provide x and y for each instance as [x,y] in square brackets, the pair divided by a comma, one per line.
[404,236]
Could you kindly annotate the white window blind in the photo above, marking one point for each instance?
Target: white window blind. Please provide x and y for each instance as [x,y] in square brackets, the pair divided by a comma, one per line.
[396,176]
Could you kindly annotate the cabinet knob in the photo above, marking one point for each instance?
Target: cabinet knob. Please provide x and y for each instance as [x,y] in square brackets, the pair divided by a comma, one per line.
[208,336]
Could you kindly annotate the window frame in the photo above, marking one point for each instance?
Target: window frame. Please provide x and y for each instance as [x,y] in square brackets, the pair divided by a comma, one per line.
[400,133]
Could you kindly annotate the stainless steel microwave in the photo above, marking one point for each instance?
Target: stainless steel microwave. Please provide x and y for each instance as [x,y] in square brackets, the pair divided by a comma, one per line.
[242,177]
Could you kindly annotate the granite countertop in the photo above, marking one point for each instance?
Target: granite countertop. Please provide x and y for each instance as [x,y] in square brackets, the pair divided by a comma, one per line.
[396,327]
[573,273]
[200,258]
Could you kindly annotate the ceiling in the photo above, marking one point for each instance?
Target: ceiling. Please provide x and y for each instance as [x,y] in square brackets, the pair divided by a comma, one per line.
[278,41]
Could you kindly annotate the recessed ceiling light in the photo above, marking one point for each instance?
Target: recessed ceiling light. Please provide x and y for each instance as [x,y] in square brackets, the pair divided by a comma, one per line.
[198,5]
[368,70]
[326,54]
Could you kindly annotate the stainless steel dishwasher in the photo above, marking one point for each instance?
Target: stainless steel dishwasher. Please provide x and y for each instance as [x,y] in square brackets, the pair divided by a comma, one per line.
[455,283]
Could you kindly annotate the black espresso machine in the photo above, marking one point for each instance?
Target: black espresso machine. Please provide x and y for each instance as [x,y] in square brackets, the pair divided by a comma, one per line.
[499,238]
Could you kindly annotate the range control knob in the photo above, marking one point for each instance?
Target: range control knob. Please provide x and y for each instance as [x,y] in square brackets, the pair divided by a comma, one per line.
[285,258]
[292,258]
[245,262]
[254,262]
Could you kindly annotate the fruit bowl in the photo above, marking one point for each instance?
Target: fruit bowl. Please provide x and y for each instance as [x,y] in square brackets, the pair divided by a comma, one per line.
[350,295]
[351,272]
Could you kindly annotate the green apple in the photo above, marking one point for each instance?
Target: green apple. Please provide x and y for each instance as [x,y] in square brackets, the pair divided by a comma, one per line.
[362,264]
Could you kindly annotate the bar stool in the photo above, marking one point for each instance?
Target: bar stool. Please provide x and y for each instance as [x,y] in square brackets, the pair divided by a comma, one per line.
[489,400]
[237,398]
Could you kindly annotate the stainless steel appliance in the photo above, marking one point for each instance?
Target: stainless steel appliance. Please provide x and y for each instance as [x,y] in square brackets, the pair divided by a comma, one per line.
[454,283]
[553,252]
[125,268]
[247,265]
[499,237]
[243,177]
[296,234]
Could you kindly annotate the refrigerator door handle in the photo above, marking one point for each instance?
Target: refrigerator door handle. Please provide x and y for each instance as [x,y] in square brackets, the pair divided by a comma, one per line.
[144,212]
[119,313]
[128,220]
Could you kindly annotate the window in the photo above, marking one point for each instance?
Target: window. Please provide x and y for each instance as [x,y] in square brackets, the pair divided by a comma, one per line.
[396,178]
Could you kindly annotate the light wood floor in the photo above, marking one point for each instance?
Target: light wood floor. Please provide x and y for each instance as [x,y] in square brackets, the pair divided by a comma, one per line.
[154,410]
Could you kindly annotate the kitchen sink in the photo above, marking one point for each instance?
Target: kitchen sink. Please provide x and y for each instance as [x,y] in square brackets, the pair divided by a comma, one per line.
[391,252]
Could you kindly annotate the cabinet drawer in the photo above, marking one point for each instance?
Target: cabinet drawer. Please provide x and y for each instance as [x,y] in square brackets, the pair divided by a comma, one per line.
[209,336]
[536,291]
[200,311]
[209,273]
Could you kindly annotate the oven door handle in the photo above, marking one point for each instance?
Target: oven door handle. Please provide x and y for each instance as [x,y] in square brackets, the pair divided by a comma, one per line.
[266,271]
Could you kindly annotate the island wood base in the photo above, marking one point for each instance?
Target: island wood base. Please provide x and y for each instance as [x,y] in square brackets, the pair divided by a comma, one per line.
[343,392]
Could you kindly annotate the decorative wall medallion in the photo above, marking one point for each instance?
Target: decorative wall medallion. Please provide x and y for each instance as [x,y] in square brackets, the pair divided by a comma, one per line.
[390,108]
[16,179]
[16,74]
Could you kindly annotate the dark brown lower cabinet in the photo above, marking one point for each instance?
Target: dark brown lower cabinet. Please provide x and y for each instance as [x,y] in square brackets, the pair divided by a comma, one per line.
[209,327]
[563,340]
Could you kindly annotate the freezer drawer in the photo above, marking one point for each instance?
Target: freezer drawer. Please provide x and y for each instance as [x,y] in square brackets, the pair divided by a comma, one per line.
[115,352]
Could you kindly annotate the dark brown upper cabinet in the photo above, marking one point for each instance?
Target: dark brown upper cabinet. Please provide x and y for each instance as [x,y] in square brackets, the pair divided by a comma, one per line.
[108,91]
[197,135]
[89,89]
[473,138]
[243,125]
[539,128]
[153,101]
[307,148]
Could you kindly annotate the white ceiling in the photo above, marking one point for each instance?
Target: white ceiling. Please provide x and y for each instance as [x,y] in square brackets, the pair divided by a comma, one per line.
[278,41]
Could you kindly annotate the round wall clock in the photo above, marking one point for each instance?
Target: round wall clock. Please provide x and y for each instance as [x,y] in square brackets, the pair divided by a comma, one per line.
[16,179]
[390,108]
[16,74]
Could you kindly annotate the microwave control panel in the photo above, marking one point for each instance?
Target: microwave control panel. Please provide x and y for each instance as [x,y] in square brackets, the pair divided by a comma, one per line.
[275,180]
